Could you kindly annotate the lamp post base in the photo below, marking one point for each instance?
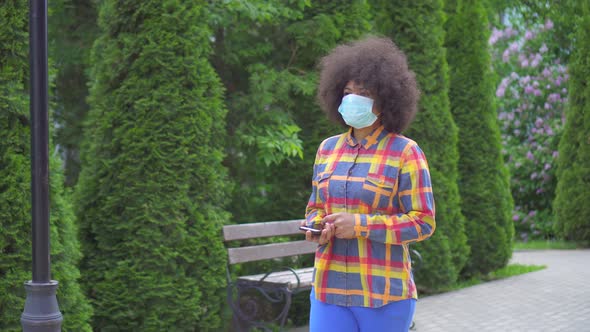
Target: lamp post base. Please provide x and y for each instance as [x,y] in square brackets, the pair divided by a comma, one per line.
[41,313]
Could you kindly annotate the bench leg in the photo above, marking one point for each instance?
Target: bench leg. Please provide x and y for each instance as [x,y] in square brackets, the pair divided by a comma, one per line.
[254,306]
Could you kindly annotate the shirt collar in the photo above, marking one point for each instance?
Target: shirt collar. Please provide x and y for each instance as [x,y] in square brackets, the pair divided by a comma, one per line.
[373,138]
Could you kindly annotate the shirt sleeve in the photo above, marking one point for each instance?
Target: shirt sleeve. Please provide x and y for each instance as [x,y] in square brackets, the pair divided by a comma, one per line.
[416,221]
[315,212]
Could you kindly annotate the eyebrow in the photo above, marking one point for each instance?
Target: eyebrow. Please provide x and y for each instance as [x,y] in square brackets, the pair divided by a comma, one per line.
[361,89]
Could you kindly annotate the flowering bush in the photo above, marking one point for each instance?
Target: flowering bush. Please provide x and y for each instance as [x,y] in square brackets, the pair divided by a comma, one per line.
[531,99]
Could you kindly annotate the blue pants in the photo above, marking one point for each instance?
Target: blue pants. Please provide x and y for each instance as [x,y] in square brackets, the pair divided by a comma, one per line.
[393,317]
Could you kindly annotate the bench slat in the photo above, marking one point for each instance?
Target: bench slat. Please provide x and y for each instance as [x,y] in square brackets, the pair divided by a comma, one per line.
[284,278]
[263,229]
[268,251]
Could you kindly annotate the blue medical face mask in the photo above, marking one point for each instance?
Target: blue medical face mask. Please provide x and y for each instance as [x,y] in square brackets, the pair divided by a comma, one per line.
[357,111]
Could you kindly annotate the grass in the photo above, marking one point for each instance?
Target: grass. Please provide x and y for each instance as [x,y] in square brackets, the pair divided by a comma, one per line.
[505,272]
[546,244]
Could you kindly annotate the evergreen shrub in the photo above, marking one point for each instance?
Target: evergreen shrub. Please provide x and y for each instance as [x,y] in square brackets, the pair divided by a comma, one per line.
[151,192]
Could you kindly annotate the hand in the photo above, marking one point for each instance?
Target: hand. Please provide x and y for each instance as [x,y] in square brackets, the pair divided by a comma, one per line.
[343,222]
[324,238]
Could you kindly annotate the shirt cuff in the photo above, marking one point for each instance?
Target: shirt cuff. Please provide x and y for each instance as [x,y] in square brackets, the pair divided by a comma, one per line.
[361,225]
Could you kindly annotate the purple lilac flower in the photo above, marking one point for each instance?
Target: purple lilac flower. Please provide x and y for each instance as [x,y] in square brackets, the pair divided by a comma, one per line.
[547,166]
[555,154]
[548,25]
[509,32]
[514,76]
[548,106]
[496,35]
[540,191]
[515,217]
[554,98]
[528,35]
[506,55]
[538,122]
[529,155]
[549,131]
[543,48]
[537,92]
[529,90]
[513,47]
[546,72]
[532,213]
[524,63]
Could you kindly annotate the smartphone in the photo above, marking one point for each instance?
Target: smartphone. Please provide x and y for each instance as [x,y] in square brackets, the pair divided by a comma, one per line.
[314,232]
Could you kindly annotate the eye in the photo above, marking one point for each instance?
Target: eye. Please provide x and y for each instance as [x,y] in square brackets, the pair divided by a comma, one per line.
[365,93]
[346,93]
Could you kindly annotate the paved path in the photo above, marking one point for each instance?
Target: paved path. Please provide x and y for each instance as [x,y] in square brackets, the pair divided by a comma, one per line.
[554,299]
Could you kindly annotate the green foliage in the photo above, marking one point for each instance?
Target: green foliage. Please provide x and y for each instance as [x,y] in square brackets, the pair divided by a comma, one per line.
[417,28]
[72,30]
[152,188]
[15,191]
[571,206]
[266,54]
[484,182]
[546,245]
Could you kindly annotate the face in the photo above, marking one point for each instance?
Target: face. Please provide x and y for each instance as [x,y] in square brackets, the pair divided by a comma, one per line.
[359,89]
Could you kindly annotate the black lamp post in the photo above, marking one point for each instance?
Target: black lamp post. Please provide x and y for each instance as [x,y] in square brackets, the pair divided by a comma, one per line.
[41,312]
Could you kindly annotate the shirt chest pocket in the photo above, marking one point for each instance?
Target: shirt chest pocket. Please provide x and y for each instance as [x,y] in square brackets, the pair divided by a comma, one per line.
[378,191]
[323,180]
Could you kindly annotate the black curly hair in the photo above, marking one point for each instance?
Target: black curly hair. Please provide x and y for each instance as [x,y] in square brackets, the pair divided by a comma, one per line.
[382,68]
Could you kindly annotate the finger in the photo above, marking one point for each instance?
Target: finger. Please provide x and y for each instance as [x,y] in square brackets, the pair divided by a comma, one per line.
[310,237]
[330,218]
[331,230]
[325,236]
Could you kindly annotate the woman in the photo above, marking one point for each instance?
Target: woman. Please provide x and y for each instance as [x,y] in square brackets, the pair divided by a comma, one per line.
[371,194]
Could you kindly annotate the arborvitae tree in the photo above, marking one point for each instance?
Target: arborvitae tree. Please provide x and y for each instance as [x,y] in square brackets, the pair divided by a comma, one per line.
[417,28]
[150,194]
[72,31]
[572,211]
[15,191]
[484,183]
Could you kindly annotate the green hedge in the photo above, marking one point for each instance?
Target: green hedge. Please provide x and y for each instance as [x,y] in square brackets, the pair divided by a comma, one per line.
[417,28]
[152,187]
[572,211]
[72,30]
[484,183]
[15,191]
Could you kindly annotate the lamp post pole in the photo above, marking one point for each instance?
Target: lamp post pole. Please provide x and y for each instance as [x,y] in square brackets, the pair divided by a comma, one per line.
[41,312]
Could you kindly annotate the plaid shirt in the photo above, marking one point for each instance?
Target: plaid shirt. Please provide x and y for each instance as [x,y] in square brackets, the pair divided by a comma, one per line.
[384,181]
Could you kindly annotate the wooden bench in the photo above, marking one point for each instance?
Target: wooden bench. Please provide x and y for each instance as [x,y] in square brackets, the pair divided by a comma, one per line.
[276,287]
